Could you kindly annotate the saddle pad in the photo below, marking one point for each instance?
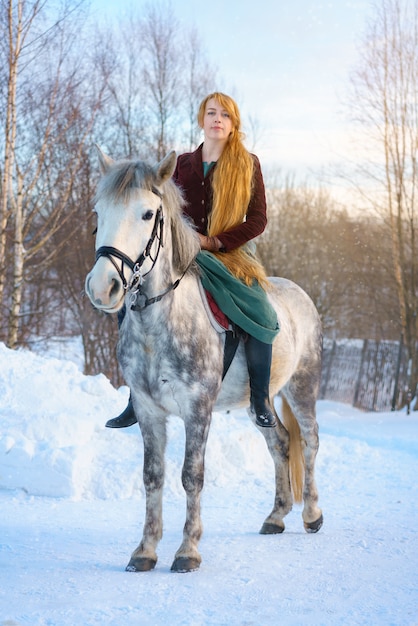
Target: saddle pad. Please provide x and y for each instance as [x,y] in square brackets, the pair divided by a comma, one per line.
[220,317]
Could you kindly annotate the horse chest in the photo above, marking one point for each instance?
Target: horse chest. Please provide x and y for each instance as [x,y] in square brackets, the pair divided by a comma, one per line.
[168,372]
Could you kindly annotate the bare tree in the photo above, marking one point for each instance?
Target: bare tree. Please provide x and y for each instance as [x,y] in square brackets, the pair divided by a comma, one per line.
[255,132]
[11,48]
[199,81]
[176,75]
[385,104]
[43,139]
[340,260]
[123,128]
[162,76]
[297,245]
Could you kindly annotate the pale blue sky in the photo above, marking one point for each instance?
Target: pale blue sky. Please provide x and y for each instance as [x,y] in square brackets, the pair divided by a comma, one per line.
[286,63]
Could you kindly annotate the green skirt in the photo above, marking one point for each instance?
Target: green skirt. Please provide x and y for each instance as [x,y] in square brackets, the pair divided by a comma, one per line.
[247,307]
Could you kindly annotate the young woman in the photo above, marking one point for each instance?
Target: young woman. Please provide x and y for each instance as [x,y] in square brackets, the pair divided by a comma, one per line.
[224,190]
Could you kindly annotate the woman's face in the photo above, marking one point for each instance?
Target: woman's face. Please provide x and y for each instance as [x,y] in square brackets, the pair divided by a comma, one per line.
[217,123]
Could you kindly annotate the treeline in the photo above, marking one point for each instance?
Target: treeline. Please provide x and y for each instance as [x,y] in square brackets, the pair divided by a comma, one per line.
[343,260]
[66,84]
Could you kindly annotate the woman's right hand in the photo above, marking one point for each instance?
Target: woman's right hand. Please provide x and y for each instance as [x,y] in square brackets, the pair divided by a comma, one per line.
[212,244]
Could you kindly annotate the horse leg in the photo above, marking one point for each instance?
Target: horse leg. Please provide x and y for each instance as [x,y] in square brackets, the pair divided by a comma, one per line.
[301,404]
[154,435]
[187,557]
[311,514]
[277,440]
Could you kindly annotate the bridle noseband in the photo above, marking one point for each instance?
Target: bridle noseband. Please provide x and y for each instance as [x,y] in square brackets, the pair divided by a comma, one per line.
[134,286]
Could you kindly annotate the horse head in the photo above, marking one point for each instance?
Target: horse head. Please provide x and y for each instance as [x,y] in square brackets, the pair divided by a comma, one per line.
[128,205]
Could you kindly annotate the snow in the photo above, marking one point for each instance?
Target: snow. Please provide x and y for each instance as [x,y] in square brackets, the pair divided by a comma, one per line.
[72,507]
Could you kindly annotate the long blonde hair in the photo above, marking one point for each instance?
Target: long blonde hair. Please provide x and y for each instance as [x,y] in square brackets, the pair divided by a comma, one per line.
[232,187]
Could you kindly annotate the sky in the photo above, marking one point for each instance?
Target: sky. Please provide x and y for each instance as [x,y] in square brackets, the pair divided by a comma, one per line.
[72,508]
[287,64]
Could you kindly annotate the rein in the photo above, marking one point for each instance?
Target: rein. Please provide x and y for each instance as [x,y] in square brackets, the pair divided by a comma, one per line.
[134,286]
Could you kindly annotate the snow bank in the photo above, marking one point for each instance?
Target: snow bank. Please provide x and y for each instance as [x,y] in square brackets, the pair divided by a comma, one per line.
[53,439]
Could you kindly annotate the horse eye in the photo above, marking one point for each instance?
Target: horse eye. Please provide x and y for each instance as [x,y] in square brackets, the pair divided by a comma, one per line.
[148,215]
[95,221]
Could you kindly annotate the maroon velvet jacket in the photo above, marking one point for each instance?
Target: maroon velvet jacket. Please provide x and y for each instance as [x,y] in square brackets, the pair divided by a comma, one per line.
[197,191]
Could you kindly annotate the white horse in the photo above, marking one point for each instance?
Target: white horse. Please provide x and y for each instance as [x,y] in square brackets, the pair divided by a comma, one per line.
[172,356]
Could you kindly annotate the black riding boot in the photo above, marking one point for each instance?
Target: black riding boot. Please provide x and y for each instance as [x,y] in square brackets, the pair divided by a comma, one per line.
[125,419]
[259,363]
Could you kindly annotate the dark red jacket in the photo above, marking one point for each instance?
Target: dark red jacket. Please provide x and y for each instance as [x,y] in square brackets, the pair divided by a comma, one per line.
[197,190]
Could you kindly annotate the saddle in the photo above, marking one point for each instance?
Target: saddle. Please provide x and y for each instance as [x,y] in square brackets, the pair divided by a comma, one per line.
[222,324]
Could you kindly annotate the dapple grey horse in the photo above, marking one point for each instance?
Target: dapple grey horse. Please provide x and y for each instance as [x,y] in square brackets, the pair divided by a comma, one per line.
[172,355]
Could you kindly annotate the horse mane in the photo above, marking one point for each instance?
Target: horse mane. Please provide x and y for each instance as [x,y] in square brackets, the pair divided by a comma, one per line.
[125,178]
[185,241]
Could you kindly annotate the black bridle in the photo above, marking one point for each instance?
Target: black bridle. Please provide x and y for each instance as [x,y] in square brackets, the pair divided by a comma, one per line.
[134,286]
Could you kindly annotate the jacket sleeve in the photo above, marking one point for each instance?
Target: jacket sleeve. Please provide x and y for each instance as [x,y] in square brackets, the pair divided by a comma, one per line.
[256,218]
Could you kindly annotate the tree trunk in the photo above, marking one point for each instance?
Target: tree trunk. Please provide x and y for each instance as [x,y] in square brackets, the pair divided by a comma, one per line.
[14,45]
[18,266]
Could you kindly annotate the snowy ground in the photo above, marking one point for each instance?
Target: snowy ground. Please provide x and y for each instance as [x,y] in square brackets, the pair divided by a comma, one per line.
[72,506]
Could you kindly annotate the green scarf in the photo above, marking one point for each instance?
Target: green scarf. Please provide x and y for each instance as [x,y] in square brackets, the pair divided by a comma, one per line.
[247,307]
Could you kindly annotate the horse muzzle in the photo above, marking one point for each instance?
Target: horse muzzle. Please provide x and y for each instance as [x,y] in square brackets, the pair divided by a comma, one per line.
[105,290]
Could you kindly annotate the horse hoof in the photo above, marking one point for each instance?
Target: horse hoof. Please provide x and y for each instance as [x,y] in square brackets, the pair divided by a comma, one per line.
[313,527]
[140,564]
[271,529]
[183,564]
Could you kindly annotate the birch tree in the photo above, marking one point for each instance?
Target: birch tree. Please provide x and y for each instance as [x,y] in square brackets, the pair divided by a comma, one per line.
[385,105]
[44,106]
[12,41]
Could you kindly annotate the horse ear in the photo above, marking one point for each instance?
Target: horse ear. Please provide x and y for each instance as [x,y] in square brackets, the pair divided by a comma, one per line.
[166,167]
[104,160]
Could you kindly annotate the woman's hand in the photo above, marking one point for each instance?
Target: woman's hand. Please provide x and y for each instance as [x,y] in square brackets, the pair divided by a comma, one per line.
[212,244]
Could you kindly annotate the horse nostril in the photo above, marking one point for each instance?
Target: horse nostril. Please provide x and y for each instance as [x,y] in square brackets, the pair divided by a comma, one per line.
[115,288]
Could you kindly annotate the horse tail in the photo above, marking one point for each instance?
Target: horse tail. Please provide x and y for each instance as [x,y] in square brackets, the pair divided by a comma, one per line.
[296,457]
